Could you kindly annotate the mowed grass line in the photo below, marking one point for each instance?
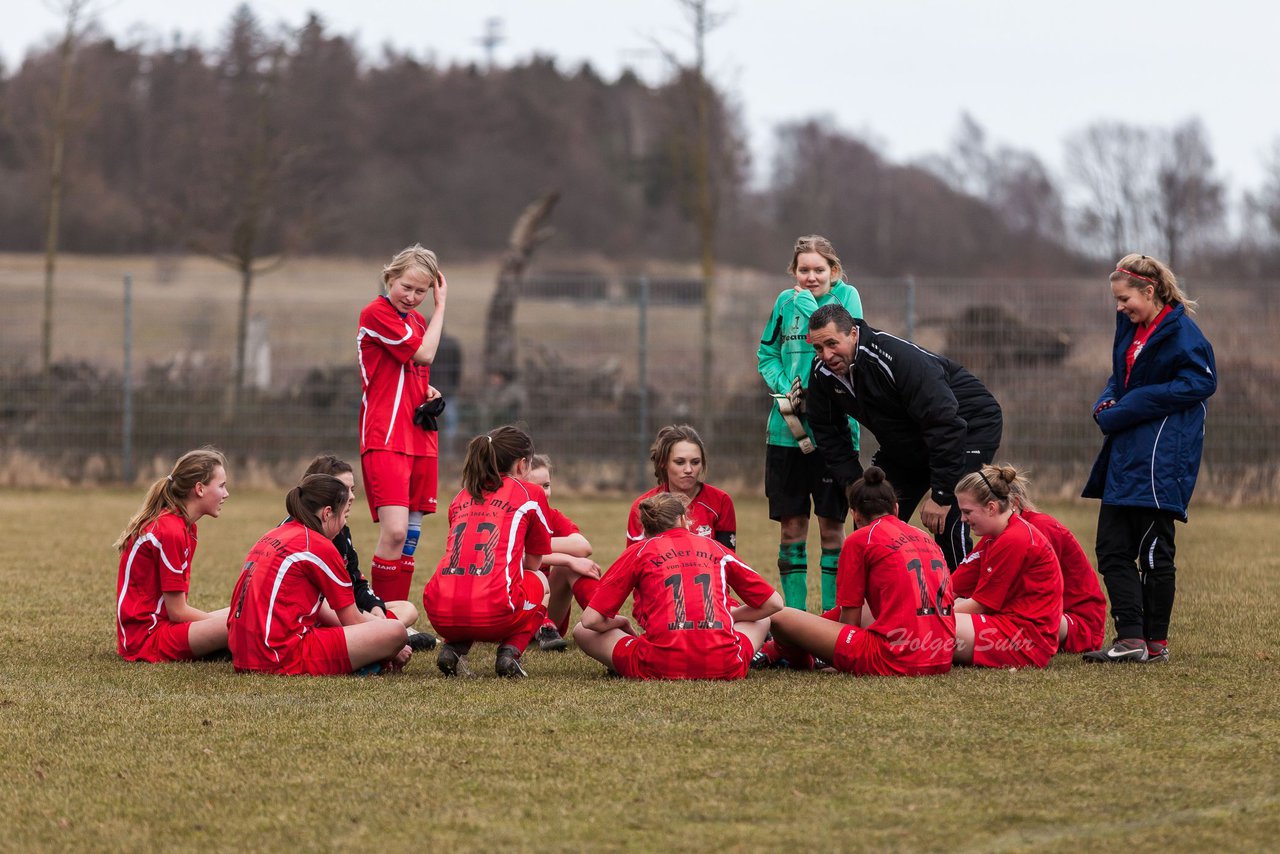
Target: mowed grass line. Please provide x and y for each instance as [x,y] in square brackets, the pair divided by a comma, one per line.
[107,756]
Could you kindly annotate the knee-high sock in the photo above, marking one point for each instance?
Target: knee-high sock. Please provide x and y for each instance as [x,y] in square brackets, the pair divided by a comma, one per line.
[391,579]
[830,559]
[793,567]
[583,589]
[382,577]
[523,633]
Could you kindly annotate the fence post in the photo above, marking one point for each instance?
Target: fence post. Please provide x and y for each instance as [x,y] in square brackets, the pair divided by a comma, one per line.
[911,308]
[642,360]
[126,426]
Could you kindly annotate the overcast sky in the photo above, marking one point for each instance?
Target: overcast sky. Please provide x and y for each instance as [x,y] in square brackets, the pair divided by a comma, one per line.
[902,71]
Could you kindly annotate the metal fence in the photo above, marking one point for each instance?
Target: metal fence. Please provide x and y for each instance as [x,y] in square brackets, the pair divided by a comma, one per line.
[604,359]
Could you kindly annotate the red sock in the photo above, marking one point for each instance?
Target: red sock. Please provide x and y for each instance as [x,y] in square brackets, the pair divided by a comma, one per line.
[583,589]
[400,582]
[795,656]
[382,577]
[524,634]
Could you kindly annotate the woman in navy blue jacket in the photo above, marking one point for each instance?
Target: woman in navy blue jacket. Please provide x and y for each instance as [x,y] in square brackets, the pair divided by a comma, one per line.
[1152,415]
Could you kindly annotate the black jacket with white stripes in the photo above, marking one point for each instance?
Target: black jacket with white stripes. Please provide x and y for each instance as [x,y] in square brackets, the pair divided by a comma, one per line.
[918,404]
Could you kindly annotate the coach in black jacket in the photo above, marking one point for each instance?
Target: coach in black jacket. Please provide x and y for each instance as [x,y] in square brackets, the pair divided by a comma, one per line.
[934,420]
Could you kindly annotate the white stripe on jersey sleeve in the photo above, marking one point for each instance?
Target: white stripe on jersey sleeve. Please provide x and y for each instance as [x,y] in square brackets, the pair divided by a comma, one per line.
[285,565]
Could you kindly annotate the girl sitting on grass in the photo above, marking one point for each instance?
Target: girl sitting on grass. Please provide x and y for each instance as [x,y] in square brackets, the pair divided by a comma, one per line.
[893,613]
[366,600]
[292,609]
[569,548]
[1009,588]
[154,621]
[1084,608]
[679,464]
[681,581]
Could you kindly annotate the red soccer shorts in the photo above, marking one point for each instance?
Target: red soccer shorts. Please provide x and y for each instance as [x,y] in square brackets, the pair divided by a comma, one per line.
[865,653]
[517,630]
[392,479]
[166,642]
[1080,638]
[636,658]
[324,652]
[1001,642]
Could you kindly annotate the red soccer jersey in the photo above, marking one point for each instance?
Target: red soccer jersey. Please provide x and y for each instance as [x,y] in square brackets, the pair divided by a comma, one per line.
[682,583]
[479,581]
[901,574]
[1016,575]
[1140,337]
[1081,592]
[156,562]
[391,383]
[710,514]
[560,524]
[287,574]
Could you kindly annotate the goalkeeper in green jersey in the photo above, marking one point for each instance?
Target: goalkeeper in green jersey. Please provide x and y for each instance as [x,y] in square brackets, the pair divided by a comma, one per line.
[794,472]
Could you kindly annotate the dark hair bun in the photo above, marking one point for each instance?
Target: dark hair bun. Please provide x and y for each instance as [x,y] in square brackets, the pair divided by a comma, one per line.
[873,475]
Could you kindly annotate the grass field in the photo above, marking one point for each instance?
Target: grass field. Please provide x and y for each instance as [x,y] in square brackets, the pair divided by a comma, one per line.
[104,755]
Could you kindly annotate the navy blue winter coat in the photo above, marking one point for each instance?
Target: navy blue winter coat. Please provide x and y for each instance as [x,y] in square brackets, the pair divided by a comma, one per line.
[1155,431]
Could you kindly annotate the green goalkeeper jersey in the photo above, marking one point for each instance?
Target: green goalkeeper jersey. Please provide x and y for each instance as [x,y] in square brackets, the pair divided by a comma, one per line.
[785,353]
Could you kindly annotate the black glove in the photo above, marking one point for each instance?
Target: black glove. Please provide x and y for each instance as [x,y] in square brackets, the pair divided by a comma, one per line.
[366,599]
[426,414]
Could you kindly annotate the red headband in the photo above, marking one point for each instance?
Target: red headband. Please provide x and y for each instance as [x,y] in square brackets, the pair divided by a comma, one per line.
[1136,275]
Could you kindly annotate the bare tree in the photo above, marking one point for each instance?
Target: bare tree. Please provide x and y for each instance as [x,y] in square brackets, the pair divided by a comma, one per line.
[73,14]
[1188,200]
[701,148]
[529,232]
[242,225]
[1111,163]
[1012,181]
[1269,198]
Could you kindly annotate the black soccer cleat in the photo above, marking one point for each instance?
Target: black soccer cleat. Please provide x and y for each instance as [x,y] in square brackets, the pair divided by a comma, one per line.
[507,665]
[549,639]
[420,641]
[451,660]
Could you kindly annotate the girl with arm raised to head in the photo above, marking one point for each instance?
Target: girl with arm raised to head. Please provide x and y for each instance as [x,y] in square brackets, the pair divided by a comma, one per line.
[399,459]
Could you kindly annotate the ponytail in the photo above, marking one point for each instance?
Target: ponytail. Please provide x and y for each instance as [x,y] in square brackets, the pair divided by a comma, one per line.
[170,492]
[492,455]
[660,513]
[312,494]
[991,483]
[1143,271]
[871,495]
